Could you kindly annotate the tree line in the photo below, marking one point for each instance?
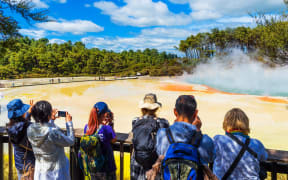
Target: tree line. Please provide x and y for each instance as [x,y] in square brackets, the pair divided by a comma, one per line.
[33,58]
[269,38]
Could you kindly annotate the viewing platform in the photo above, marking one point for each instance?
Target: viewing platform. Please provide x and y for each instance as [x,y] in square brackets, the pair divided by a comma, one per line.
[277,162]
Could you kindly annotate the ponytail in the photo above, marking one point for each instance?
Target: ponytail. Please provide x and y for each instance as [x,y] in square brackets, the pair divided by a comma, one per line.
[93,122]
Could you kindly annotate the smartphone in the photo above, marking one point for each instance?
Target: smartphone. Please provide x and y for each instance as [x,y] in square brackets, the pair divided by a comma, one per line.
[62,113]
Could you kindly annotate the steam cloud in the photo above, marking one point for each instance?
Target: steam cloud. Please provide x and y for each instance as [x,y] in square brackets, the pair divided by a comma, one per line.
[238,73]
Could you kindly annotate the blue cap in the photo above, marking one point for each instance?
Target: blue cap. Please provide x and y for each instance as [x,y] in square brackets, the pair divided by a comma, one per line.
[102,107]
[16,108]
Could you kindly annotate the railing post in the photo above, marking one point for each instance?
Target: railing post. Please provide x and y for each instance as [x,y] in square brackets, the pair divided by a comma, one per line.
[1,159]
[75,170]
[121,160]
[274,172]
[10,152]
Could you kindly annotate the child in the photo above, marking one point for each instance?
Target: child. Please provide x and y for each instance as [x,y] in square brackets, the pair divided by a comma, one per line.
[101,115]
[236,142]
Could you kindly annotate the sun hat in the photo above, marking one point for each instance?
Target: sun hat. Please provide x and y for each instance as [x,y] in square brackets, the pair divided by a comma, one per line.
[102,107]
[150,102]
[16,108]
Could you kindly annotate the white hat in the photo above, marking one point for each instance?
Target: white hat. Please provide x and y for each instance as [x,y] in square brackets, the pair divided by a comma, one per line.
[150,102]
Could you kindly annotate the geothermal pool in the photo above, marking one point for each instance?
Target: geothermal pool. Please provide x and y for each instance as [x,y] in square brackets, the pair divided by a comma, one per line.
[268,114]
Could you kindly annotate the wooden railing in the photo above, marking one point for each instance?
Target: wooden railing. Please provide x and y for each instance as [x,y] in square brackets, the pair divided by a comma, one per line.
[277,161]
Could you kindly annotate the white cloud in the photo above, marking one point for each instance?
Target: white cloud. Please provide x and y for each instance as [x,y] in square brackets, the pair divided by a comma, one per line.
[37,34]
[222,23]
[142,13]
[213,9]
[179,1]
[57,41]
[87,5]
[166,33]
[205,14]
[243,19]
[74,26]
[39,4]
[163,39]
[135,43]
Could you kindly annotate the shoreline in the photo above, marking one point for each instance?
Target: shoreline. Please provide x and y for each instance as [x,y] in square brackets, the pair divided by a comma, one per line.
[13,83]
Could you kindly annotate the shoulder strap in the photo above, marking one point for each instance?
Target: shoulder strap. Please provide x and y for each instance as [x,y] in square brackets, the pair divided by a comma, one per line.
[169,136]
[242,144]
[99,128]
[196,139]
[236,160]
[158,123]
[25,147]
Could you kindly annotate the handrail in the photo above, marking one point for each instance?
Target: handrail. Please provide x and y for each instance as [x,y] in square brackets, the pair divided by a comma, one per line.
[273,155]
[277,159]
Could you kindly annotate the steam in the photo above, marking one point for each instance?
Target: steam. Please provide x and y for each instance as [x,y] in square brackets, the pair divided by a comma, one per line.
[238,73]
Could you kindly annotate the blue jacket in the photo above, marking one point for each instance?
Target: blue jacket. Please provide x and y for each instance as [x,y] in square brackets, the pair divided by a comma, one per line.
[18,137]
[227,150]
[183,132]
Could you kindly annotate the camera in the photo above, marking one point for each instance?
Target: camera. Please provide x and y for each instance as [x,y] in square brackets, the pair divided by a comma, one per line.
[61,113]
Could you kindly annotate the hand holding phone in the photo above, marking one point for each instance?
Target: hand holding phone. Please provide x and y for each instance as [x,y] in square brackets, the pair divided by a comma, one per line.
[68,117]
[61,113]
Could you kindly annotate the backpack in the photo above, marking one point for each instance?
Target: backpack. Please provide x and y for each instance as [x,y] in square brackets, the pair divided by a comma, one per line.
[144,140]
[181,160]
[91,159]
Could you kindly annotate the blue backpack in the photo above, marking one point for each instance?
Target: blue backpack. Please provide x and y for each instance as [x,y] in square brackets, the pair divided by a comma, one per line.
[181,160]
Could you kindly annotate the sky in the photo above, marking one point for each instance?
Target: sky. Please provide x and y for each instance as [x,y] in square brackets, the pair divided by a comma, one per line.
[138,24]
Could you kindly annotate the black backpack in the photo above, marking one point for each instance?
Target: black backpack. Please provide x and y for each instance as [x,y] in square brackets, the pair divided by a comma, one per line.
[144,140]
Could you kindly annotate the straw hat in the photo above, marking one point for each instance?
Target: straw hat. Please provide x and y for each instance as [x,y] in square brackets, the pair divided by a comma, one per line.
[150,102]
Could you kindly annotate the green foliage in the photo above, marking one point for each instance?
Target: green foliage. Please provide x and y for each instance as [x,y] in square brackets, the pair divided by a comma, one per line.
[270,37]
[29,57]
[8,25]
[5,72]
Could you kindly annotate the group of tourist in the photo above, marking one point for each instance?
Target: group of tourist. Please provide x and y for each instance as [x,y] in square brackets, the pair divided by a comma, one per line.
[177,151]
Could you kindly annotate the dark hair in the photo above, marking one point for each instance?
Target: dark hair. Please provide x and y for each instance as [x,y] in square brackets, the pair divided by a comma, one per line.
[41,111]
[15,120]
[186,106]
[149,112]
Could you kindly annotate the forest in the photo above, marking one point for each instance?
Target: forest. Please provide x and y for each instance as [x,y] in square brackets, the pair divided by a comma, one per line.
[38,58]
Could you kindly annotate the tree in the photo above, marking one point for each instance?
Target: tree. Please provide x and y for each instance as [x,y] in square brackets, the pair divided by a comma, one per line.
[30,58]
[9,26]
